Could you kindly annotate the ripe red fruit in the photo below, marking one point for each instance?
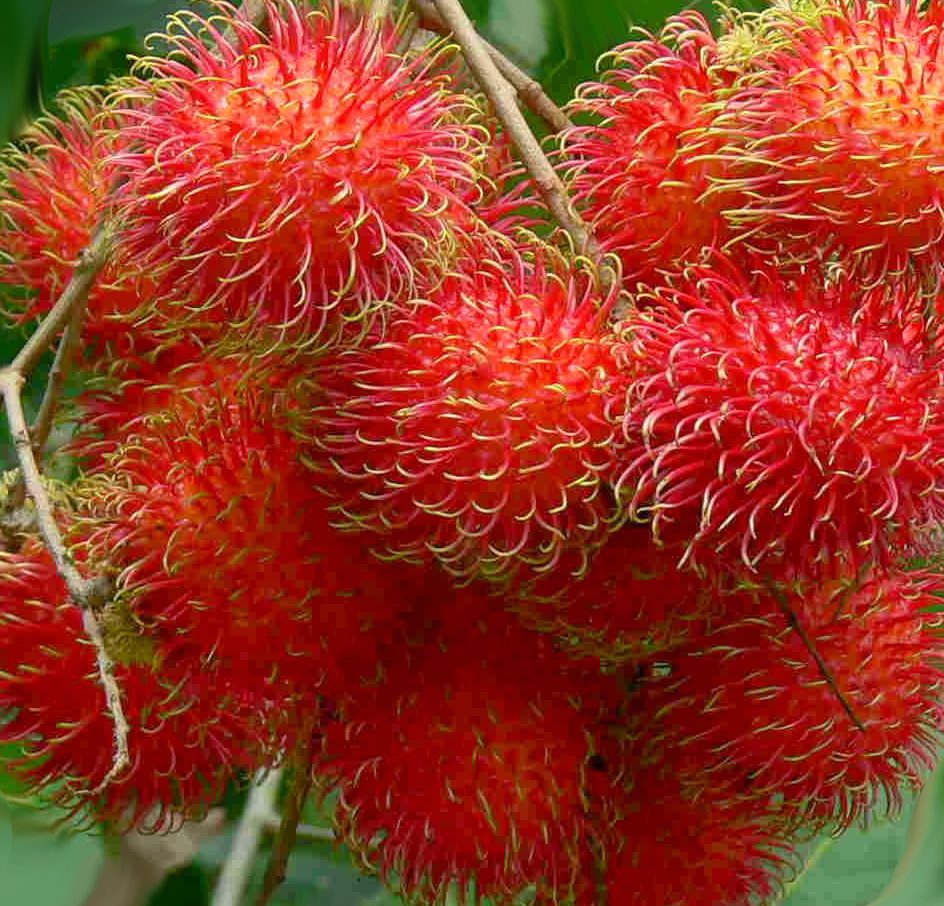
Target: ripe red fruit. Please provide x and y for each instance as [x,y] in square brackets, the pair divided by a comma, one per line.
[477,428]
[54,190]
[676,849]
[644,167]
[840,123]
[292,177]
[190,734]
[782,423]
[750,699]
[467,761]
[223,548]
[630,603]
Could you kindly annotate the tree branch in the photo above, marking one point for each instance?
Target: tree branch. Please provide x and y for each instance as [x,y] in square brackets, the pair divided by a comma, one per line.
[504,99]
[291,815]
[88,595]
[529,91]
[39,432]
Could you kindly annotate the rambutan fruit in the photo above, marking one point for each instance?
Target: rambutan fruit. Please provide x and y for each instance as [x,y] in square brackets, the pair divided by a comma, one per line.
[779,423]
[676,849]
[477,428]
[55,189]
[291,175]
[631,602]
[467,763]
[222,547]
[644,156]
[827,697]
[190,734]
[839,123]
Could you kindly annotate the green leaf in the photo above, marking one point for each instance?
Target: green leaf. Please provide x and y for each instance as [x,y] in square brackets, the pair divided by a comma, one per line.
[45,868]
[859,867]
[22,36]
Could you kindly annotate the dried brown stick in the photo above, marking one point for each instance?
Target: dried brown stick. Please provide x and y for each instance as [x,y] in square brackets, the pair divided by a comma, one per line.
[87,594]
[90,262]
[504,99]
[529,90]
[298,791]
[42,425]
[797,626]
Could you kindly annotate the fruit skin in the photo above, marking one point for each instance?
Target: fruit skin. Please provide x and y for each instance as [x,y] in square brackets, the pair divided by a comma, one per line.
[476,429]
[840,124]
[222,564]
[631,603]
[54,190]
[292,178]
[750,702]
[778,423]
[643,169]
[675,849]
[467,761]
[190,733]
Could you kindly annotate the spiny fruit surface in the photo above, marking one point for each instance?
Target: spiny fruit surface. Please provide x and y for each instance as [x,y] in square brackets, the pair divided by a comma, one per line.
[775,424]
[292,177]
[467,761]
[631,602]
[189,734]
[54,191]
[643,167]
[477,429]
[222,547]
[837,740]
[675,849]
[842,130]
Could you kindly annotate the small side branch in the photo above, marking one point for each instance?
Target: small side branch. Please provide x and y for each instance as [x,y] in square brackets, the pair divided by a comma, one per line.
[298,791]
[39,432]
[529,91]
[504,99]
[88,595]
[821,664]
[90,262]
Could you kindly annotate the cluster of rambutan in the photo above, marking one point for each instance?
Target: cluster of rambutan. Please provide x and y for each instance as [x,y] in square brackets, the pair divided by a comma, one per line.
[601,591]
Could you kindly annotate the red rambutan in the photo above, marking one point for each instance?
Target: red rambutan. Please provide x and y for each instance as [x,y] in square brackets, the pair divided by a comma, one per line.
[840,121]
[55,187]
[828,698]
[783,422]
[292,177]
[222,545]
[468,762]
[643,167]
[674,849]
[477,428]
[631,603]
[190,734]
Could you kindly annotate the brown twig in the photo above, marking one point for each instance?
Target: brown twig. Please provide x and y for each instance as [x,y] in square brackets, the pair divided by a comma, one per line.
[90,262]
[821,664]
[87,594]
[291,815]
[529,91]
[42,425]
[504,99]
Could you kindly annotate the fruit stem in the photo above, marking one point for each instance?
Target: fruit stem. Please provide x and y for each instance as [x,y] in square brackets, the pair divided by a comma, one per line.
[87,594]
[530,92]
[504,99]
[296,796]
[810,645]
